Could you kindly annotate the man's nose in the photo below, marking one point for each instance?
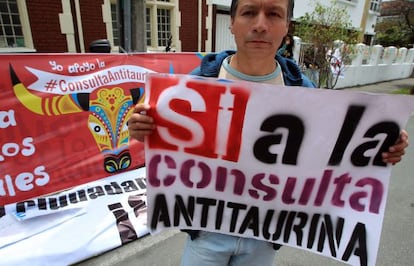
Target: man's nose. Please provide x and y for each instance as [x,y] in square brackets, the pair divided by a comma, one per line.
[261,22]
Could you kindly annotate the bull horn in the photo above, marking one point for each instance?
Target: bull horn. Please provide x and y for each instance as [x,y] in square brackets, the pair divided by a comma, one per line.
[137,94]
[52,105]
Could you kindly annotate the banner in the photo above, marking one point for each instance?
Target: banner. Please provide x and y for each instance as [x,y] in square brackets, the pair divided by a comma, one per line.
[287,165]
[63,117]
[76,224]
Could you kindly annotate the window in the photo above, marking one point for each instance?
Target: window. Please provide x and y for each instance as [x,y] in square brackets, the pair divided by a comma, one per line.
[164,26]
[11,34]
[148,26]
[15,34]
[115,27]
[375,5]
[159,23]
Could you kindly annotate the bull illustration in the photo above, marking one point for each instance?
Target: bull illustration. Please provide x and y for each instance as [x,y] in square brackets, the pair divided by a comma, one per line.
[108,115]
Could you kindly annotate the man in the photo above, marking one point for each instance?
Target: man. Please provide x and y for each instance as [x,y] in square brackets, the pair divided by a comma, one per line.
[259,27]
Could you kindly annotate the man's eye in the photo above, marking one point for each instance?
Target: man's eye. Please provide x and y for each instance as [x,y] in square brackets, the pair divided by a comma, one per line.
[247,13]
[275,14]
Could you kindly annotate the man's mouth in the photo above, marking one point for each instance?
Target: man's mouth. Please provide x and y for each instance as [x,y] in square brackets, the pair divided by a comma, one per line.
[259,42]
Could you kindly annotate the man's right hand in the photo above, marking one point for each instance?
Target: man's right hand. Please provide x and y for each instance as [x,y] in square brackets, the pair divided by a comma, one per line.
[140,124]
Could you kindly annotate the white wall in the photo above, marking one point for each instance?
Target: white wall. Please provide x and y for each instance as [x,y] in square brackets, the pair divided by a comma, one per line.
[355,9]
[382,64]
[224,37]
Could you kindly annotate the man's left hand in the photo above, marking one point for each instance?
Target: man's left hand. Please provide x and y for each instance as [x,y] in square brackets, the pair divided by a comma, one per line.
[395,152]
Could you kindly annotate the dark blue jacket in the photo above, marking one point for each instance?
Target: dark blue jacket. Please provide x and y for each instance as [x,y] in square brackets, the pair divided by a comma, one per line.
[292,76]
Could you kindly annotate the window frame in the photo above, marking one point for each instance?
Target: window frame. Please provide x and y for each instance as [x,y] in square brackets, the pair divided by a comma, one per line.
[153,6]
[152,32]
[26,31]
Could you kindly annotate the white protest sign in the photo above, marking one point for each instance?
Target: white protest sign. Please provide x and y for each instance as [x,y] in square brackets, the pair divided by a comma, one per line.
[287,165]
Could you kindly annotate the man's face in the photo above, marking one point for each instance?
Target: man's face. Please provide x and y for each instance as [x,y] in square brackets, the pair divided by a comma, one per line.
[259,26]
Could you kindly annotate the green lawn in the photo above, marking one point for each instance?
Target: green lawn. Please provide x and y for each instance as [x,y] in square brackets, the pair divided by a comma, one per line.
[402,91]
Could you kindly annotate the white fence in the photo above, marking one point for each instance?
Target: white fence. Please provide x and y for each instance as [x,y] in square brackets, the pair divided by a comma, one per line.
[372,64]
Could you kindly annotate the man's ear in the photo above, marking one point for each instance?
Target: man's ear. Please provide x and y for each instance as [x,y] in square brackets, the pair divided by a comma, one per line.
[287,28]
[231,25]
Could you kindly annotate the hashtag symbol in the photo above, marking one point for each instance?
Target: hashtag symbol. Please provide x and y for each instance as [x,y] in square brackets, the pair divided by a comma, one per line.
[51,85]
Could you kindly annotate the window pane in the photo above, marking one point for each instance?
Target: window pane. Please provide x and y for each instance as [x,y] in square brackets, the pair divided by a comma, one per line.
[6,19]
[8,30]
[10,42]
[3,7]
[13,7]
[3,41]
[18,31]
[20,42]
[15,19]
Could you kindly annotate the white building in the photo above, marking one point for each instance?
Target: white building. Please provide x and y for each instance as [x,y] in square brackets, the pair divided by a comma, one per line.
[363,15]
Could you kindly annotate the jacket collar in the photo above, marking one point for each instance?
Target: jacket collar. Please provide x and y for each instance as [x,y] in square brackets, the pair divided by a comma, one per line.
[211,63]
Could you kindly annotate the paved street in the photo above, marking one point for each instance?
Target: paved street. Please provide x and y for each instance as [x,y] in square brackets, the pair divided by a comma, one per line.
[397,241]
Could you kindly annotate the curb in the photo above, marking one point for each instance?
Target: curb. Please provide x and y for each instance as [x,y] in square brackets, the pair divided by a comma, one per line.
[145,249]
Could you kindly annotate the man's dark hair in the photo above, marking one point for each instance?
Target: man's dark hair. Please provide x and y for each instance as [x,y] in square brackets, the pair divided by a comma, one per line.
[235,3]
